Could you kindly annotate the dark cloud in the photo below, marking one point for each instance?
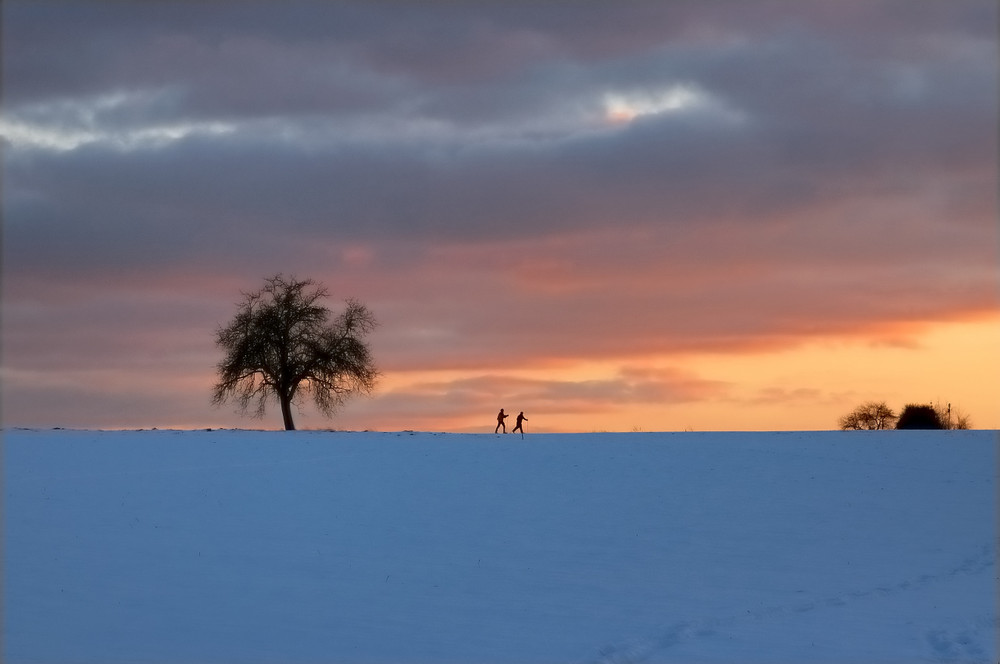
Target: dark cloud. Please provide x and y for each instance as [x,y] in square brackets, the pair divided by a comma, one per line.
[555,181]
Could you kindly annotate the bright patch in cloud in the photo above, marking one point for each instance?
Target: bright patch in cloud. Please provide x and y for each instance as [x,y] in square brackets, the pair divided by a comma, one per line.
[625,107]
[67,124]
[61,139]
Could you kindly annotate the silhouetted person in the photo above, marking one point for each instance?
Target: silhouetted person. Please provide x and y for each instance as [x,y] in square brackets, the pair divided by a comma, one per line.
[517,427]
[500,418]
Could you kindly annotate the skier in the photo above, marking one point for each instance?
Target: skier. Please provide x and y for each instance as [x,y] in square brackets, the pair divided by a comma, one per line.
[517,427]
[500,418]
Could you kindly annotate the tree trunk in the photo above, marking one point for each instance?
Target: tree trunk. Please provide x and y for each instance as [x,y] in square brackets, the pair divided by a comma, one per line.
[286,412]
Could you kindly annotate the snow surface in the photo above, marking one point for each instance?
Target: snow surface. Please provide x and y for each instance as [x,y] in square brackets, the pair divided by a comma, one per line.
[243,546]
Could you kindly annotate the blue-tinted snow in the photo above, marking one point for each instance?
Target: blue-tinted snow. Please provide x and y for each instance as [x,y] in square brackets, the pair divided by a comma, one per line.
[242,546]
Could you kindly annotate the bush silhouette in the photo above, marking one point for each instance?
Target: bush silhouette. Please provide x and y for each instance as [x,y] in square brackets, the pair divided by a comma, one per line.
[919,417]
[872,415]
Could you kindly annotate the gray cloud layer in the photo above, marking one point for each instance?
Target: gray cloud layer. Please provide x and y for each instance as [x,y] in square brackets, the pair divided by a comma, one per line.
[661,175]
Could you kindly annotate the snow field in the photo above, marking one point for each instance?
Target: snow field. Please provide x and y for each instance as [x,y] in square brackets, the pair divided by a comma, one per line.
[249,546]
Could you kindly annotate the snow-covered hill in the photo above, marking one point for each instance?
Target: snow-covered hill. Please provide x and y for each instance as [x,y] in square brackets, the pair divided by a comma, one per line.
[242,546]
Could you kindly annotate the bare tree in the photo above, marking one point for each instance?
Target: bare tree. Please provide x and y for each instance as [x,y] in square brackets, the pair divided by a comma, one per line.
[871,415]
[961,421]
[281,344]
[952,418]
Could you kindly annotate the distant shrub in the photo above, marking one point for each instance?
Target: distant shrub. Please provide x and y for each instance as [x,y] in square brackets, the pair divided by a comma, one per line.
[952,418]
[870,416]
[919,417]
[962,422]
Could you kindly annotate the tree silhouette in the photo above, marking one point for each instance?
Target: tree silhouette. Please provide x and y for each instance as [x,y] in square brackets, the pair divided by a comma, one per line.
[871,415]
[919,417]
[281,344]
[952,418]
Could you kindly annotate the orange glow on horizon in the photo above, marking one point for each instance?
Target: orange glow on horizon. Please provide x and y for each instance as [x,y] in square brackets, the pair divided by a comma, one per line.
[807,387]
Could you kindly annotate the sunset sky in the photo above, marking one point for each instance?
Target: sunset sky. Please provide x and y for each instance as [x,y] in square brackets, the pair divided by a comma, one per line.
[703,215]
